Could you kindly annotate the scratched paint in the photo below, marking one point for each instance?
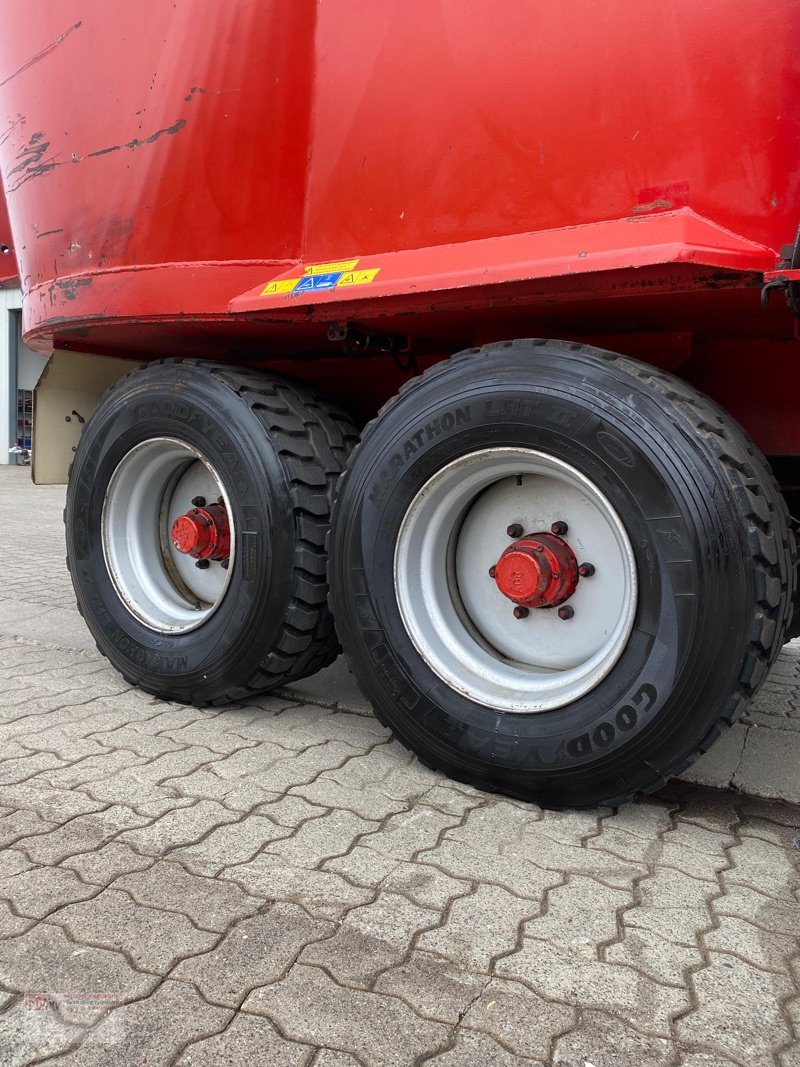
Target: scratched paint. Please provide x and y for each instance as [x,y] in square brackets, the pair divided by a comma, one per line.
[34,161]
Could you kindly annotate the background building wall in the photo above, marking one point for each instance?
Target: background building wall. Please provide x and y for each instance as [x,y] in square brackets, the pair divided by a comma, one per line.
[19,368]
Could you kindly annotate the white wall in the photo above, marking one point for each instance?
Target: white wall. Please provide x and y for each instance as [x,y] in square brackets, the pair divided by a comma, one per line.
[24,374]
[10,301]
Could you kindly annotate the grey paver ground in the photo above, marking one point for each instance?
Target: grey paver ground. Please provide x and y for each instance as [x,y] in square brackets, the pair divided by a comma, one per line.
[281,883]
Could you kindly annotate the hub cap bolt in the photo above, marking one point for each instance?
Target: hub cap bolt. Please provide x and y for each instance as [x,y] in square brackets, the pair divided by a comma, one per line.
[492,572]
[521,613]
[586,570]
[202,564]
[515,530]
[199,501]
[566,612]
[224,563]
[559,528]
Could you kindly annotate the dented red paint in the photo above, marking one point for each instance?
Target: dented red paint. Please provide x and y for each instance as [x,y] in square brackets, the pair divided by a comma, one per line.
[617,172]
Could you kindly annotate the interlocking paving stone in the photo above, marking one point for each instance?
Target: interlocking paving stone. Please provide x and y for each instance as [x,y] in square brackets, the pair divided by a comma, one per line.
[581,914]
[27,1034]
[656,958]
[426,887]
[603,1041]
[256,951]
[762,867]
[434,987]
[310,1007]
[230,845]
[327,1058]
[504,1010]
[11,924]
[153,939]
[403,835]
[330,834]
[12,862]
[479,927]
[37,891]
[370,939]
[128,788]
[248,1040]
[542,851]
[22,825]
[84,833]
[178,828]
[557,974]
[81,981]
[149,1032]
[365,802]
[211,905]
[769,762]
[513,873]
[753,944]
[365,909]
[737,1011]
[472,1049]
[238,794]
[671,905]
[107,863]
[290,810]
[90,769]
[706,1059]
[323,893]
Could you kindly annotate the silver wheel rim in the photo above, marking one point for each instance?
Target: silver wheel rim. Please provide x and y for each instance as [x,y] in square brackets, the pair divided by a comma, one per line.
[160,586]
[454,613]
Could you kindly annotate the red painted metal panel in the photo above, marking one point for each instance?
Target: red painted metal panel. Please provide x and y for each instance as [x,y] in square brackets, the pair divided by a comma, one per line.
[495,168]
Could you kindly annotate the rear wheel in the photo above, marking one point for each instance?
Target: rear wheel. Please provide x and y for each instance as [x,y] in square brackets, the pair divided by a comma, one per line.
[197,516]
[557,572]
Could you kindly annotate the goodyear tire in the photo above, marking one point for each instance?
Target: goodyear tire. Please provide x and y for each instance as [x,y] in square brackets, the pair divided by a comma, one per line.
[246,464]
[630,670]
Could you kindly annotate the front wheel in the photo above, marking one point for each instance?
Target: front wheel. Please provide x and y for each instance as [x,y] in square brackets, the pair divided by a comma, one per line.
[558,572]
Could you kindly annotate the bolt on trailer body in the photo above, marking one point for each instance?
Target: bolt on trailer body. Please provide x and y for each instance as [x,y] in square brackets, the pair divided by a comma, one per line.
[455,347]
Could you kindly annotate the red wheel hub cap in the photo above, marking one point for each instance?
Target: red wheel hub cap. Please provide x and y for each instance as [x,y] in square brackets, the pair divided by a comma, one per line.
[537,571]
[203,533]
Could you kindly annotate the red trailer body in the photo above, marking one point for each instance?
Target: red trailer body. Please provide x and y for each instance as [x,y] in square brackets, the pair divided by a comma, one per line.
[349,192]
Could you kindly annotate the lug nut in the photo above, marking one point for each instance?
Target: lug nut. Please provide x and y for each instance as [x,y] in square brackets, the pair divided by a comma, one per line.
[224,563]
[566,612]
[202,564]
[492,572]
[521,613]
[559,528]
[586,570]
[199,501]
[515,530]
